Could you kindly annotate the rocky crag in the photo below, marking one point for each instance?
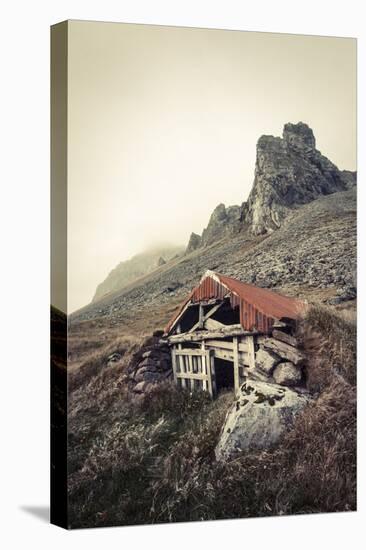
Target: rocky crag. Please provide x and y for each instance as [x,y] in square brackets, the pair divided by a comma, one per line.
[313,251]
[295,233]
[289,173]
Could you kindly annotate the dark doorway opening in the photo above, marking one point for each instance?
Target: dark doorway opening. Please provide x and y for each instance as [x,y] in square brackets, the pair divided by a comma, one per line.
[224,374]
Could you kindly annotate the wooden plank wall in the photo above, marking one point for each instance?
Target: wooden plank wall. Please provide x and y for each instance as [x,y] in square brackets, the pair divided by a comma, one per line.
[194,368]
[191,365]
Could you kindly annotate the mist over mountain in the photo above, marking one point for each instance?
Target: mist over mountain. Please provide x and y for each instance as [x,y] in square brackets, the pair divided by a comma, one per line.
[296,231]
[138,266]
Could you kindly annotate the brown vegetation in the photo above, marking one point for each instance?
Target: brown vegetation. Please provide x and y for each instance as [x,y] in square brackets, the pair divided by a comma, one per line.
[154,461]
[329,340]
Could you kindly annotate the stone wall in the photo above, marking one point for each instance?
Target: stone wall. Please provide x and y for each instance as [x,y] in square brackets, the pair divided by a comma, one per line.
[150,364]
[278,360]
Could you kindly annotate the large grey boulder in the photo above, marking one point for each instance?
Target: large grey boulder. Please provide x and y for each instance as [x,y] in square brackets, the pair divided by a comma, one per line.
[265,362]
[287,374]
[258,418]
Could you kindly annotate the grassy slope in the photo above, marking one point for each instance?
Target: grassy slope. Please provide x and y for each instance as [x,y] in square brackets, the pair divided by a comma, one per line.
[154,462]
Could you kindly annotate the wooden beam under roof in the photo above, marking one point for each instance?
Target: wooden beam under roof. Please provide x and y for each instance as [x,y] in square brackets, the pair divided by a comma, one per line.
[206,316]
[231,330]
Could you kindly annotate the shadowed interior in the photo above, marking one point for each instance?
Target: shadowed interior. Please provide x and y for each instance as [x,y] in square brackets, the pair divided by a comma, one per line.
[224,373]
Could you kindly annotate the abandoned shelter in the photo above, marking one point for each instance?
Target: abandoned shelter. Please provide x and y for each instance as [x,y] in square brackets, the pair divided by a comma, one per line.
[227,331]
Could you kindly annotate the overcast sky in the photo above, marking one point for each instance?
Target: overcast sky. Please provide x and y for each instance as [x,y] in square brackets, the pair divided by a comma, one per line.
[163,125]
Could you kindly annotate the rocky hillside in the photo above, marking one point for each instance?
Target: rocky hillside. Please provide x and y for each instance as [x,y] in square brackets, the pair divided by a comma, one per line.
[312,253]
[296,233]
[289,173]
[138,266]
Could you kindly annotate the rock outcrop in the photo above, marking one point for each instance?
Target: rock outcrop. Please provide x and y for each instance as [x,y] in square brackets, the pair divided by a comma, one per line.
[314,246]
[258,418]
[314,249]
[350,178]
[224,221]
[194,243]
[289,172]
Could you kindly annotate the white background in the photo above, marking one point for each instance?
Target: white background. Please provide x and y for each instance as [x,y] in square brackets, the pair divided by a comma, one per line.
[24,253]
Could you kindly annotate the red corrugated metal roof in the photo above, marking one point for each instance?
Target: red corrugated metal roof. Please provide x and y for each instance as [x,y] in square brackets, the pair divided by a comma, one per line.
[259,307]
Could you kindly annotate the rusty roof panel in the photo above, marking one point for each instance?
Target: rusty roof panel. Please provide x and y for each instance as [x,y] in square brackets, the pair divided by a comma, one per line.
[259,307]
[268,302]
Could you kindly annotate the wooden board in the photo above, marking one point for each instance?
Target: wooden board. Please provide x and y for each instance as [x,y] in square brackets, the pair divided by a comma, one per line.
[194,365]
[211,374]
[188,351]
[229,356]
[223,344]
[204,366]
[236,364]
[232,330]
[251,351]
[192,376]
[211,324]
[203,318]
[283,337]
[174,365]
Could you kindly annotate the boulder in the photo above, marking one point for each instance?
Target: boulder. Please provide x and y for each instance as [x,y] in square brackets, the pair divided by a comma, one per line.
[141,387]
[287,374]
[282,350]
[265,361]
[151,376]
[284,337]
[165,364]
[258,418]
[141,373]
[149,362]
[343,295]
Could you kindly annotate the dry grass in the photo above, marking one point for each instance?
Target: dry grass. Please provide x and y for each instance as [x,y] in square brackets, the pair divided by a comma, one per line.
[87,340]
[98,359]
[329,340]
[154,461]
